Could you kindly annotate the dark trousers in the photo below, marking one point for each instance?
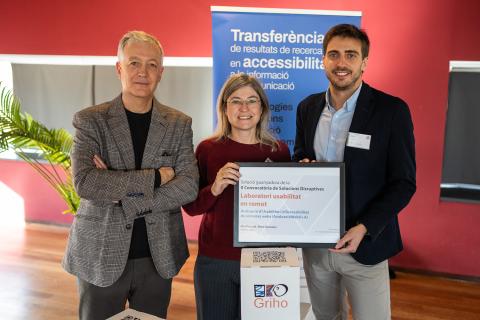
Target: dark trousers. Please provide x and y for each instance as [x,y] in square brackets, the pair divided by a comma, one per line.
[140,285]
[217,289]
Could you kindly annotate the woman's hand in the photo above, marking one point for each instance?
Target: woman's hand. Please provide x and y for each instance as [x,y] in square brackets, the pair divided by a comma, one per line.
[227,175]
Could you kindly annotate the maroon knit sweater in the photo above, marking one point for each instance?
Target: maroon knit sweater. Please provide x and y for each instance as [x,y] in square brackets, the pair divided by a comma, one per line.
[215,237]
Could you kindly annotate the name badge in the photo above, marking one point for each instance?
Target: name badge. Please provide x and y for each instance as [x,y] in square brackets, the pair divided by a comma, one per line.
[358,140]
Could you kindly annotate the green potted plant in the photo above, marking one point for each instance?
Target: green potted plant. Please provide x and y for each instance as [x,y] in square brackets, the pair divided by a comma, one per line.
[22,134]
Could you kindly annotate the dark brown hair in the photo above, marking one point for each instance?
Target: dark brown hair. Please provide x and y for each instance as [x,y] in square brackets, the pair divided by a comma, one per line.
[348,31]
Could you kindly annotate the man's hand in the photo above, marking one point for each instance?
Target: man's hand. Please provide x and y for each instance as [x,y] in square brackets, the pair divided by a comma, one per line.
[227,175]
[99,162]
[350,241]
[166,174]
[306,160]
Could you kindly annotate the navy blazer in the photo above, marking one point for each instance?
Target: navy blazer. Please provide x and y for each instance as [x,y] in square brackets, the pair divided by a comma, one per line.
[380,181]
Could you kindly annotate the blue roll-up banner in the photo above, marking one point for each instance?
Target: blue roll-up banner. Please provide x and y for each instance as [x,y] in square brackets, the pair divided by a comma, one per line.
[280,47]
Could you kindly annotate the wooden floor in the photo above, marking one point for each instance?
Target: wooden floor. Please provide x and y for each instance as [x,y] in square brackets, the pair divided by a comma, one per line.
[34,286]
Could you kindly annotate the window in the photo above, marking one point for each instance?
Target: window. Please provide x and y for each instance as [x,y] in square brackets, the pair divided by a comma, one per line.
[53,88]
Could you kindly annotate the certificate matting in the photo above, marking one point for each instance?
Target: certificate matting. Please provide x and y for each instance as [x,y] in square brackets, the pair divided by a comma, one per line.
[289,204]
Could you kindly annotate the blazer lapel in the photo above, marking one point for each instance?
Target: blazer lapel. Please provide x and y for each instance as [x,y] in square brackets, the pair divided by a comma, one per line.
[363,112]
[156,133]
[313,119]
[120,130]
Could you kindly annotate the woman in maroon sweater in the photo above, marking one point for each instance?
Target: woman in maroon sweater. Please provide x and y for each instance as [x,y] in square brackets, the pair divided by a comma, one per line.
[242,136]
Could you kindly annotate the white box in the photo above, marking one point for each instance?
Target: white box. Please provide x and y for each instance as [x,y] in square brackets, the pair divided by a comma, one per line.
[270,284]
[130,314]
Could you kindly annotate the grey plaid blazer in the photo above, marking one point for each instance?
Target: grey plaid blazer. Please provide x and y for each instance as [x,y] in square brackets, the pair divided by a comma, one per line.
[99,238]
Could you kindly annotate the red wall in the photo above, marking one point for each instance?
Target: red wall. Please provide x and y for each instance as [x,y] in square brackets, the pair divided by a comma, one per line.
[41,202]
[412,43]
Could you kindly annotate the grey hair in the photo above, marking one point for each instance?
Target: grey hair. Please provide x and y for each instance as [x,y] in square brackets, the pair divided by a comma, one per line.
[138,36]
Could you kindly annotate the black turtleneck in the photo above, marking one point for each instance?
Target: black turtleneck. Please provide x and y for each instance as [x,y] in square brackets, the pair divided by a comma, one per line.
[139,125]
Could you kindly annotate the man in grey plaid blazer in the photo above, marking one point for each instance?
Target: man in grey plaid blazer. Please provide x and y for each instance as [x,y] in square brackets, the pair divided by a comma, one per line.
[133,167]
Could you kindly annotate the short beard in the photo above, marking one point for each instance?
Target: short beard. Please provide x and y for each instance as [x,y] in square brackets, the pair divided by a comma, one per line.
[347,86]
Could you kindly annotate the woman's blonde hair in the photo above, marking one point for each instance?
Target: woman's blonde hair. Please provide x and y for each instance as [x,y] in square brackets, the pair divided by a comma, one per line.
[224,128]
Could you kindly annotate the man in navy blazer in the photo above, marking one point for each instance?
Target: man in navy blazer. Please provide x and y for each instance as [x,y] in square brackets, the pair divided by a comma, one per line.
[372,132]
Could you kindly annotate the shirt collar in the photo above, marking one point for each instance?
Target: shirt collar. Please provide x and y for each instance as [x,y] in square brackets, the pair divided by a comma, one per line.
[349,105]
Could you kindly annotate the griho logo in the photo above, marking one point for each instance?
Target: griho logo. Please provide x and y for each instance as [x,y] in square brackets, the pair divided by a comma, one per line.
[270,290]
[266,296]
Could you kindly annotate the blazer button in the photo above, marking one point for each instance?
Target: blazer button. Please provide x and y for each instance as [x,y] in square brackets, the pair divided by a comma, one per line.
[128,226]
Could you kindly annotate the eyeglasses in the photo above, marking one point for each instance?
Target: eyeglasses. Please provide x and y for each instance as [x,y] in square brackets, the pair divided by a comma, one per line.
[239,102]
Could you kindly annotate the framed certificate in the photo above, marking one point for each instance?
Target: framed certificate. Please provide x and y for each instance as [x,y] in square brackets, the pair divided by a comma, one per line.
[289,204]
